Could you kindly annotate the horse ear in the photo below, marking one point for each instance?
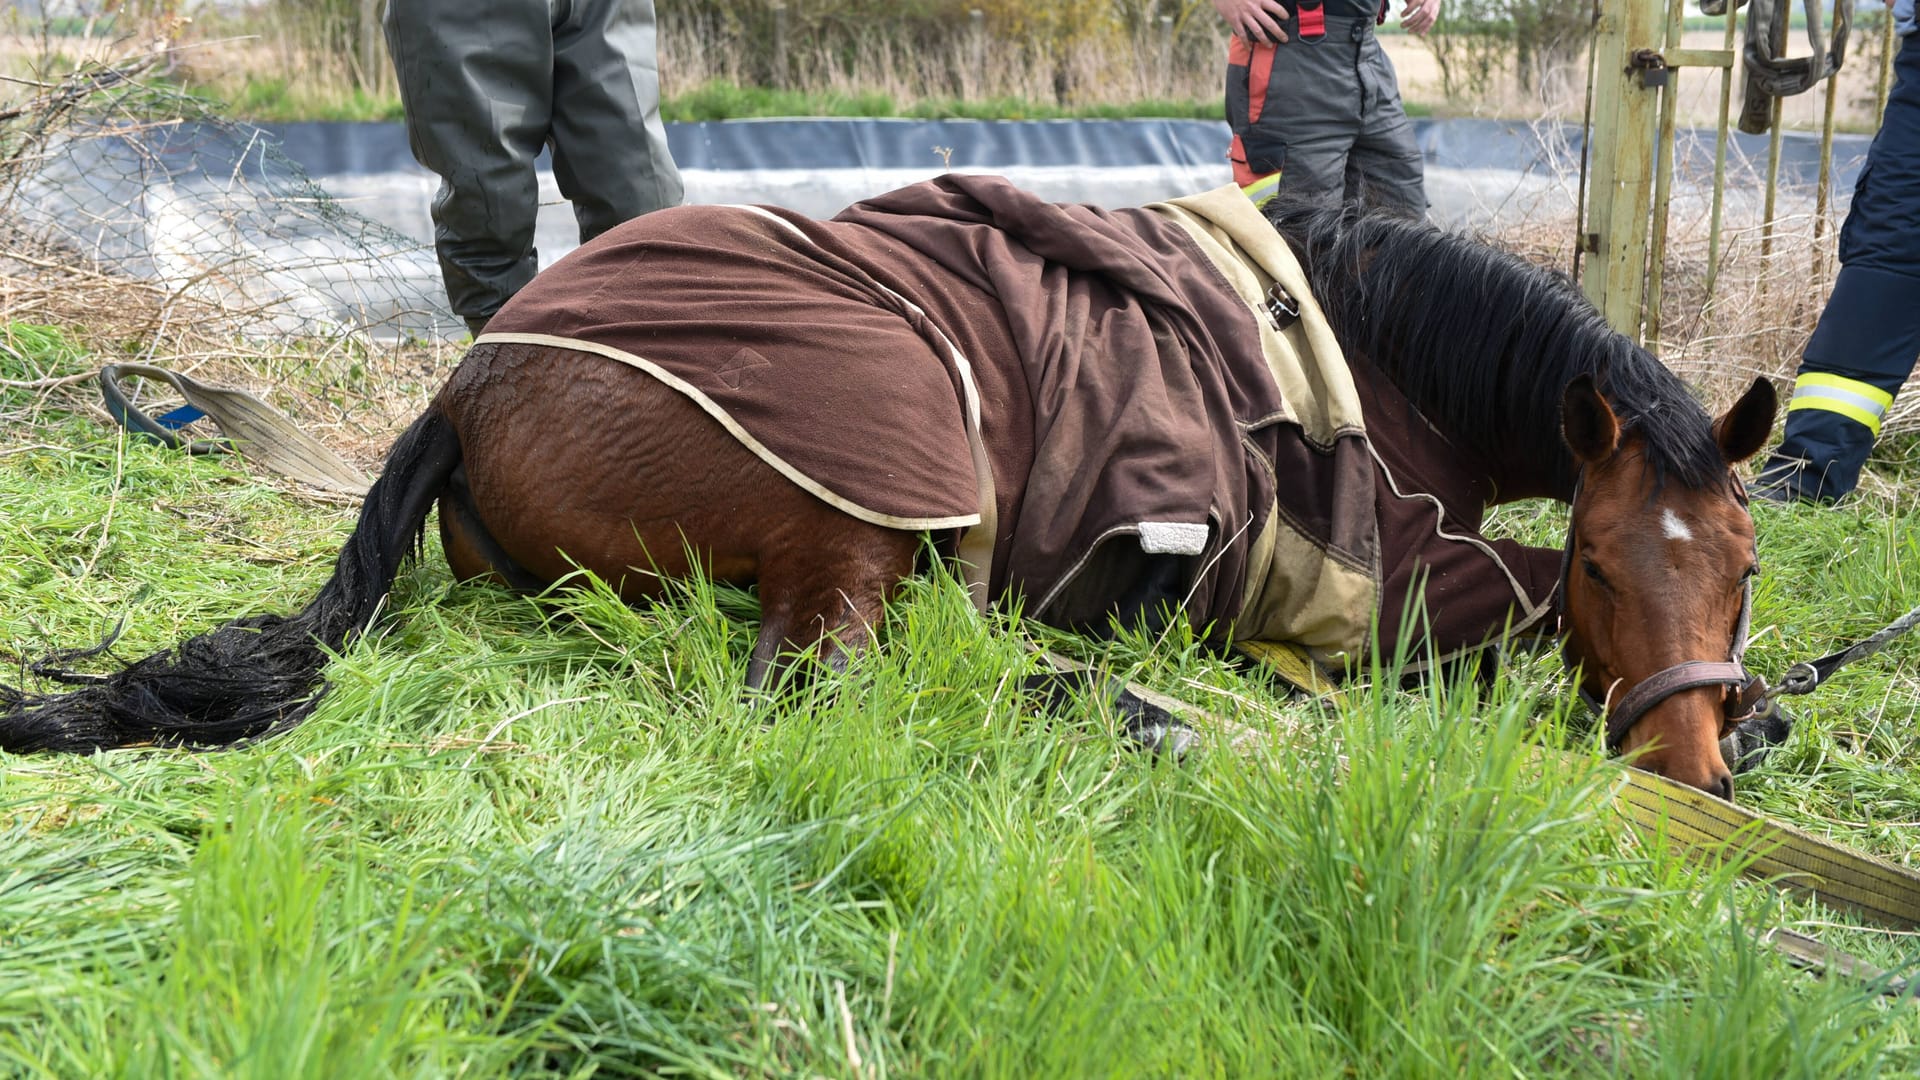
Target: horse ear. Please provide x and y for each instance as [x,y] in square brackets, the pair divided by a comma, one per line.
[1742,430]
[1587,421]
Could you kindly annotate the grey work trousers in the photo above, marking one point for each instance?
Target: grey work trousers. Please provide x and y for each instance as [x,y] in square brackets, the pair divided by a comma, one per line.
[485,84]
[1333,123]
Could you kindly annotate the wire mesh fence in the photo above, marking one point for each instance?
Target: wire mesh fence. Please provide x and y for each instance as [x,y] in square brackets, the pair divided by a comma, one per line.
[152,184]
[150,227]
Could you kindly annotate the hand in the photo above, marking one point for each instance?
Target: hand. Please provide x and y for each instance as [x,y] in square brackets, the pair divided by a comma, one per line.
[1259,21]
[1418,16]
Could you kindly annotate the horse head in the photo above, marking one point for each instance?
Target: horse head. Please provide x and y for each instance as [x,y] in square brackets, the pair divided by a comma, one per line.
[1656,588]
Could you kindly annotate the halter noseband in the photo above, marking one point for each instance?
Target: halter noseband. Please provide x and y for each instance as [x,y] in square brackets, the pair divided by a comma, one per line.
[1750,691]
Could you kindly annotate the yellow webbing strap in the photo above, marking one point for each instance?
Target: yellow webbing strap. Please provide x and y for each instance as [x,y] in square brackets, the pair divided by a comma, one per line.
[1292,664]
[1877,891]
[1883,893]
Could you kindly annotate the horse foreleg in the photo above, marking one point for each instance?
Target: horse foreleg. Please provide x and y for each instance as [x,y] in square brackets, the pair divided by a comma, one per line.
[826,597]
[1152,726]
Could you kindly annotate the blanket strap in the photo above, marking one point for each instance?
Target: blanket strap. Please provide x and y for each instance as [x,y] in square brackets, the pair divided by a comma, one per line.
[1292,664]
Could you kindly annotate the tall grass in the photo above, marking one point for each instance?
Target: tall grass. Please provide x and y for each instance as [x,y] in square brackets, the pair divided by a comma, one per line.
[552,838]
[282,60]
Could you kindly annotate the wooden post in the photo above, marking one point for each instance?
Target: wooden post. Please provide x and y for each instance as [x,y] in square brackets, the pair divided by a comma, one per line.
[1164,62]
[1823,187]
[1676,55]
[977,44]
[1621,156]
[781,72]
[371,62]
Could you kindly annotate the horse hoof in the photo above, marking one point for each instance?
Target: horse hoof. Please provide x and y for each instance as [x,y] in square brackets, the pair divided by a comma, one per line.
[1168,738]
[1747,746]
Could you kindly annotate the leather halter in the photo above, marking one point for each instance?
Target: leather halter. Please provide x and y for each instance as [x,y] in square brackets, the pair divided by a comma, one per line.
[1749,691]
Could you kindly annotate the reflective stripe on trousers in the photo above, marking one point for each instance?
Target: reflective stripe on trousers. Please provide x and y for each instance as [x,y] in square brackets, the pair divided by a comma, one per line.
[1861,402]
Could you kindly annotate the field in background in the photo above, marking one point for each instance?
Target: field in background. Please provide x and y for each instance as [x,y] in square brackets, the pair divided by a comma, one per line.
[1856,110]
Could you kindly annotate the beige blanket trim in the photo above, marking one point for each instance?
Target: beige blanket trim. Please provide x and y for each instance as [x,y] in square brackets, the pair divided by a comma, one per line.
[1305,359]
[1294,592]
[974,552]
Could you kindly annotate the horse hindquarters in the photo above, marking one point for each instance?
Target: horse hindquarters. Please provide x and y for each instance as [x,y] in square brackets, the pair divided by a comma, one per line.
[573,460]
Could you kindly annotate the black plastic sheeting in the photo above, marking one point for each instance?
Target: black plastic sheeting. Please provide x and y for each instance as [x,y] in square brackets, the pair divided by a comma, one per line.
[236,216]
[335,149]
[330,149]
[1529,146]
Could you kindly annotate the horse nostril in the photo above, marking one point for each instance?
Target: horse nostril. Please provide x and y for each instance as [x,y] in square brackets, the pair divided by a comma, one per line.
[1723,786]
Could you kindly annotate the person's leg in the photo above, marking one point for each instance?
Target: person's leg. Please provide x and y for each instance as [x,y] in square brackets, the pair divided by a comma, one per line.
[1256,160]
[1864,346]
[1308,117]
[610,153]
[475,82]
[1861,352]
[1386,167]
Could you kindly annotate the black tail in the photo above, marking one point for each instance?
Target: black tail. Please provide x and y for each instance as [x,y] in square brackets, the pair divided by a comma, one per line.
[255,676]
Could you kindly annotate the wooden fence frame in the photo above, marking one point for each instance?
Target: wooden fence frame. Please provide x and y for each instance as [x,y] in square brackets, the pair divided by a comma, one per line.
[1639,60]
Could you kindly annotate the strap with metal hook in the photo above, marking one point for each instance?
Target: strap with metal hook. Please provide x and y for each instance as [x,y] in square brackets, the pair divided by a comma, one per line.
[1806,676]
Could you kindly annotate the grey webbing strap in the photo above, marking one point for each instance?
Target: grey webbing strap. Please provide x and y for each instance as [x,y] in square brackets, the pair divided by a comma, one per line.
[254,429]
[1806,676]
[1768,71]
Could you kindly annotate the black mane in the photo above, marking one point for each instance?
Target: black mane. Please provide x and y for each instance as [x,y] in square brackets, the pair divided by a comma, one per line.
[1484,343]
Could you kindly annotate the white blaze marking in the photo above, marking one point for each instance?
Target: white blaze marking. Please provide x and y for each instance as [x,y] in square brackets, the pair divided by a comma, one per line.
[1675,529]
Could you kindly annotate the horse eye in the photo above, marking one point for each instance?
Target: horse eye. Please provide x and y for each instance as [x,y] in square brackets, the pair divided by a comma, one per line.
[1752,572]
[1593,571]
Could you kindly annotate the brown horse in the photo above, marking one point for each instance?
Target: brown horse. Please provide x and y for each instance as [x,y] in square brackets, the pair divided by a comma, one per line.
[1103,412]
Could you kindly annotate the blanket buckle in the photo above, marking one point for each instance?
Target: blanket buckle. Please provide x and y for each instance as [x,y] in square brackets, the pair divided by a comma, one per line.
[1282,310]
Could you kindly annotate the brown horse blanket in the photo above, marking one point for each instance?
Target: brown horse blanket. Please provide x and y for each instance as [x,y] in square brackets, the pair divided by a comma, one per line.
[1049,384]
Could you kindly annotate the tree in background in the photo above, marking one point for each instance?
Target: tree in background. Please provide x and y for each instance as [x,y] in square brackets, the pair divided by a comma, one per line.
[155,24]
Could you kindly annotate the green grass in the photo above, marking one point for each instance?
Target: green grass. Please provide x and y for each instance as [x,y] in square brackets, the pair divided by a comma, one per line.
[270,99]
[275,100]
[553,840]
[728,101]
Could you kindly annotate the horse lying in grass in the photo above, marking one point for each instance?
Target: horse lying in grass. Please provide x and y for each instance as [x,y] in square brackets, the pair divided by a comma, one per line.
[1282,428]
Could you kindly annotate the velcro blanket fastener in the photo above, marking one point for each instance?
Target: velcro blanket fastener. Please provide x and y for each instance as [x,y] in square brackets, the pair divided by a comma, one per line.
[1314,571]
